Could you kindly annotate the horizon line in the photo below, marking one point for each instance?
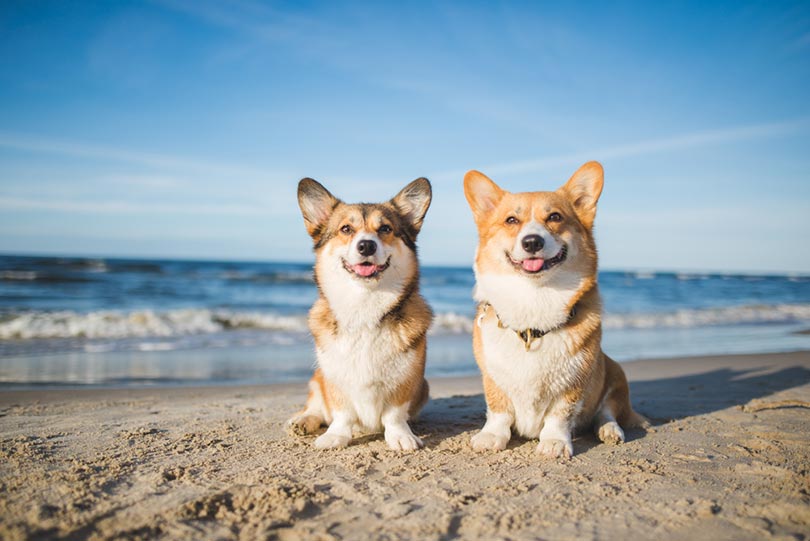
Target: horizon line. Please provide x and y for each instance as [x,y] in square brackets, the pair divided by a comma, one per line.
[205,259]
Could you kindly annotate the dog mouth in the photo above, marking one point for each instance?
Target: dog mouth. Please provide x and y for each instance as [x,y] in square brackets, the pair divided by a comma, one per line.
[366,269]
[535,265]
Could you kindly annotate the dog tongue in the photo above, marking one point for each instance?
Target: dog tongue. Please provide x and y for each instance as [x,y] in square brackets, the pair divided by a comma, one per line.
[365,270]
[532,265]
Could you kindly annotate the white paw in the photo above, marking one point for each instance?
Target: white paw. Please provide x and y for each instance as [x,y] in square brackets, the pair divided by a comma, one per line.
[611,433]
[487,441]
[401,441]
[555,448]
[331,441]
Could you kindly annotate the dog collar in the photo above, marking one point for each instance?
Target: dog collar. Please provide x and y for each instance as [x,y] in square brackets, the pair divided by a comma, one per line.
[528,336]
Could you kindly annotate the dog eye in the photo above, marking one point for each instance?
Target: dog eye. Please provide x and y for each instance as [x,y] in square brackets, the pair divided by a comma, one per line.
[346,229]
[384,229]
[554,217]
[512,220]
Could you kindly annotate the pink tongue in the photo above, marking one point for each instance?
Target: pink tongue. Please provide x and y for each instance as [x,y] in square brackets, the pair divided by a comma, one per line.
[365,270]
[532,265]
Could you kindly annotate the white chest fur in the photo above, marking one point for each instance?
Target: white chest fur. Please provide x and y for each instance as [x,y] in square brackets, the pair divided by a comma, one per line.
[533,380]
[357,307]
[521,303]
[365,365]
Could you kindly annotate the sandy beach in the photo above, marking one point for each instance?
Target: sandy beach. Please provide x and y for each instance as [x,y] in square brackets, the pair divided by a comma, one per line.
[728,457]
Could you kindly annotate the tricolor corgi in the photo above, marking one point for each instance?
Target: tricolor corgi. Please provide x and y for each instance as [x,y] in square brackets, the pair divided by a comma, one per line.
[369,322]
[538,326]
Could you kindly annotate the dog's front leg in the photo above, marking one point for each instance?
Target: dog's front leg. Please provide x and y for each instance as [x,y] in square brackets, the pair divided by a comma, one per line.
[496,432]
[555,437]
[398,434]
[339,433]
[498,429]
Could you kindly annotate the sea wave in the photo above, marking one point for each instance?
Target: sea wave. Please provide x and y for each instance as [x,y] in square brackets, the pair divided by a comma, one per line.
[451,323]
[699,317]
[18,276]
[734,315]
[142,323]
[193,321]
[44,277]
[71,263]
[280,277]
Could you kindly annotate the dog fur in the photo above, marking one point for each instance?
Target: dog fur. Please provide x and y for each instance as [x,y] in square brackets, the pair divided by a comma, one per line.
[369,322]
[547,386]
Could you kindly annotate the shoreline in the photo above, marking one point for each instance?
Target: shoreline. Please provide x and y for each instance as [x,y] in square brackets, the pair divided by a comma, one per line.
[449,356]
[726,458]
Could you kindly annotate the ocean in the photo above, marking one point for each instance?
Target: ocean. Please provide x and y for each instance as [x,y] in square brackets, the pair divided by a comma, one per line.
[119,322]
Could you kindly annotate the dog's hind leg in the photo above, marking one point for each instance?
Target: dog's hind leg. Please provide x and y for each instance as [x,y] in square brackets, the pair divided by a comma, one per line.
[615,411]
[315,413]
[419,400]
[606,427]
[405,406]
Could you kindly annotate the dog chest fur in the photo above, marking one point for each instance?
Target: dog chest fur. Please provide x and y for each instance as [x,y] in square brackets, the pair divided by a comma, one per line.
[521,304]
[533,379]
[366,365]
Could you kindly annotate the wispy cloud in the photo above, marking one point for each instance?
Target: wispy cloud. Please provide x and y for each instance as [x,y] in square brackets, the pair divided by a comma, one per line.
[650,146]
[257,20]
[101,152]
[118,207]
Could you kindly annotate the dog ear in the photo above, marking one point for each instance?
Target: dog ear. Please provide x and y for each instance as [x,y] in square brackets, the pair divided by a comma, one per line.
[413,201]
[316,205]
[583,190]
[482,194]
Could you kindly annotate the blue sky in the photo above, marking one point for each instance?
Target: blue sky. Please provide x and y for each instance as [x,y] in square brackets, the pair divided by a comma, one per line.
[180,129]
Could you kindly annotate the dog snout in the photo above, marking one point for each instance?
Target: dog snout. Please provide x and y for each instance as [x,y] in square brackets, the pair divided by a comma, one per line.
[366,247]
[532,243]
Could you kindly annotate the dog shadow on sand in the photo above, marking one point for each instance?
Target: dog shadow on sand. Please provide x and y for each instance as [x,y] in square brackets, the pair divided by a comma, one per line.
[660,400]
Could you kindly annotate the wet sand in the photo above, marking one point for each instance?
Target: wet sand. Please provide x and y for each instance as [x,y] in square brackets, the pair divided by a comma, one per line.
[728,457]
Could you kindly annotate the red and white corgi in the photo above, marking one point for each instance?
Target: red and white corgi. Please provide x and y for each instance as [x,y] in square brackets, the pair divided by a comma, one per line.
[538,327]
[369,322]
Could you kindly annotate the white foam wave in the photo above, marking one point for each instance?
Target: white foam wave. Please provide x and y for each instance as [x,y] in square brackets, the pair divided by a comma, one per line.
[143,323]
[733,315]
[13,275]
[196,321]
[451,323]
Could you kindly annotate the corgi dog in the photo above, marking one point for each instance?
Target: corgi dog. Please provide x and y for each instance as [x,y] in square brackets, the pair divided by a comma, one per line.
[369,322]
[538,326]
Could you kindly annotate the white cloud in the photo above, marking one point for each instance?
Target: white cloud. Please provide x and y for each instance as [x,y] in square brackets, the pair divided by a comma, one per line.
[649,146]
[101,152]
[116,207]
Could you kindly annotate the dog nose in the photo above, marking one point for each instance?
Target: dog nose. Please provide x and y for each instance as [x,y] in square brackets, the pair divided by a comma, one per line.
[366,247]
[532,243]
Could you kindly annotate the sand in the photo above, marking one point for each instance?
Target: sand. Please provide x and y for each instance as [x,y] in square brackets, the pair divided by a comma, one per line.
[728,457]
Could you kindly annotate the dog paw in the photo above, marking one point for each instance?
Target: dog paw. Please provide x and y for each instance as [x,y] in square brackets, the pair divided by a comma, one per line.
[555,448]
[611,433]
[487,441]
[302,425]
[331,441]
[403,442]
